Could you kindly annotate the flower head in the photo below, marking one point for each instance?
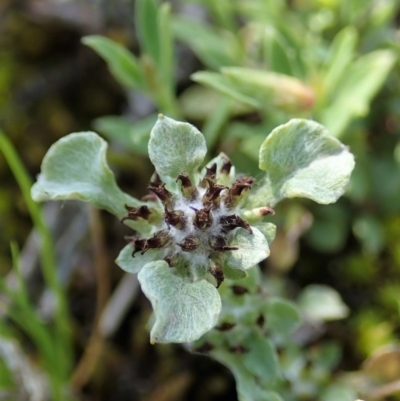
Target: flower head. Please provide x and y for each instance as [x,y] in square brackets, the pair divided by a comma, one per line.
[196,228]
[199,221]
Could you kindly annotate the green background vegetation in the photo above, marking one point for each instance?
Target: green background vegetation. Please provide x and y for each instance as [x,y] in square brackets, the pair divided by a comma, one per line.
[334,61]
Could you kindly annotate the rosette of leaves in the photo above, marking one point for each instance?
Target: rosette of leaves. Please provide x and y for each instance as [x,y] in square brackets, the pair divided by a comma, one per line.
[197,226]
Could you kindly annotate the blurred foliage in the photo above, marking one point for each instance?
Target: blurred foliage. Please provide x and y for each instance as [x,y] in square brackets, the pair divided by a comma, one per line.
[236,69]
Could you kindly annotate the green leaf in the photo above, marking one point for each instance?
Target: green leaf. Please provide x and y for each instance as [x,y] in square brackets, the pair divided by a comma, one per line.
[326,356]
[6,379]
[214,47]
[340,55]
[123,65]
[233,274]
[330,228]
[249,388]
[176,147]
[75,167]
[133,135]
[355,91]
[165,64]
[146,22]
[301,159]
[184,310]
[277,52]
[294,43]
[199,102]
[212,128]
[253,248]
[222,14]
[224,85]
[369,231]
[131,264]
[259,89]
[338,391]
[268,230]
[281,316]
[320,302]
[270,89]
[261,358]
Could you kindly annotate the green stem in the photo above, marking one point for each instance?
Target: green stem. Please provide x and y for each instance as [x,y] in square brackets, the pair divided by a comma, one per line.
[63,345]
[215,122]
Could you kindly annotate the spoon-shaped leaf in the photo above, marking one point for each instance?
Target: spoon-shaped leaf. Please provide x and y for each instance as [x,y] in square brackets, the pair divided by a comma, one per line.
[75,167]
[184,310]
[176,147]
[301,159]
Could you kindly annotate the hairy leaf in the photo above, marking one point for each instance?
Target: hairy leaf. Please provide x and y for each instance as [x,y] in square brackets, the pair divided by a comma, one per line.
[253,248]
[75,167]
[320,302]
[176,147]
[301,159]
[184,310]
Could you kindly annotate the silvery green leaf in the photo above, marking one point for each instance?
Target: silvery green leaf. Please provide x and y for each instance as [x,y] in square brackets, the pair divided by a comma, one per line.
[133,264]
[268,230]
[301,159]
[176,147]
[253,248]
[184,310]
[322,303]
[75,167]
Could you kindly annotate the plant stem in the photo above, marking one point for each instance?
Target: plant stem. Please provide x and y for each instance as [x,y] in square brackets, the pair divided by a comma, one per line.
[62,340]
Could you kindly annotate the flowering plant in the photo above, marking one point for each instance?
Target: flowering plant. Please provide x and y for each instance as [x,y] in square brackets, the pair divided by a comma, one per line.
[196,228]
